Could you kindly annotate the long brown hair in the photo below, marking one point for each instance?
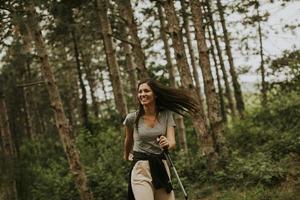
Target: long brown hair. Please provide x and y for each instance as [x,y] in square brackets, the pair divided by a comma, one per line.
[176,100]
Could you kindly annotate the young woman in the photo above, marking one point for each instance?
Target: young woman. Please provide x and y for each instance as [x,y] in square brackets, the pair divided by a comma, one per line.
[149,131]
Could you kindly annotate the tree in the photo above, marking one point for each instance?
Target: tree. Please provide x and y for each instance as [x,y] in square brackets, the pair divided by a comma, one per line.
[187,34]
[220,56]
[111,58]
[126,13]
[62,123]
[236,85]
[84,106]
[213,104]
[262,60]
[171,72]
[220,89]
[199,118]
[9,151]
[130,65]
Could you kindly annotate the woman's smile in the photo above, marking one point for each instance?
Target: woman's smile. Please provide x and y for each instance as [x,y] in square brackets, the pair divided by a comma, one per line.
[145,94]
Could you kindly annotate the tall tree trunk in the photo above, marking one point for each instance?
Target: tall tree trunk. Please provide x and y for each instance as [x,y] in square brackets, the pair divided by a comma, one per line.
[213,104]
[217,44]
[236,85]
[129,65]
[84,106]
[262,61]
[62,123]
[111,58]
[199,118]
[126,13]
[9,151]
[26,96]
[27,92]
[90,77]
[220,89]
[170,66]
[73,102]
[178,118]
[102,80]
[187,35]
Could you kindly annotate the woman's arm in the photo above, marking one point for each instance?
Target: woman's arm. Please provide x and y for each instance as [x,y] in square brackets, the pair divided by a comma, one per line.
[168,141]
[128,143]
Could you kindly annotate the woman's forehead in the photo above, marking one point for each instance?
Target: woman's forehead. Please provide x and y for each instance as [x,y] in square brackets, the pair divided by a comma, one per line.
[144,86]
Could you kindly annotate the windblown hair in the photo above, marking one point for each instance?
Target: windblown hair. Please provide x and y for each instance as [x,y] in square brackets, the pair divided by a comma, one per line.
[176,100]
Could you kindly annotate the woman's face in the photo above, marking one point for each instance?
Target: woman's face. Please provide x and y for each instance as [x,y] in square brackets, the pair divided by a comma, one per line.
[145,94]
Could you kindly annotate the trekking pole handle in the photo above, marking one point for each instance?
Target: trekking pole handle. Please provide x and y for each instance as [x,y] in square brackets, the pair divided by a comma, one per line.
[167,155]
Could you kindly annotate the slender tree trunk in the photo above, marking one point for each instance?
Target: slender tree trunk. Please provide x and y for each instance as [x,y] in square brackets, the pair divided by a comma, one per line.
[225,76]
[28,119]
[9,151]
[221,97]
[199,118]
[106,100]
[130,68]
[27,92]
[126,13]
[111,58]
[84,106]
[187,35]
[73,102]
[178,118]
[236,85]
[170,66]
[213,104]
[262,61]
[90,77]
[62,123]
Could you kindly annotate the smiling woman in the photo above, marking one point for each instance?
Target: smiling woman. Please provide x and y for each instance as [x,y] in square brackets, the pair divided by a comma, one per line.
[149,131]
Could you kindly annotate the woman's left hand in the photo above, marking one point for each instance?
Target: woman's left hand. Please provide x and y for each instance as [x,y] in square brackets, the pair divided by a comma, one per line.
[163,142]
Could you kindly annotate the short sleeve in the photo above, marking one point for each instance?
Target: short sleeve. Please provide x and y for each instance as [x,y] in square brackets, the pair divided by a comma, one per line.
[170,119]
[129,120]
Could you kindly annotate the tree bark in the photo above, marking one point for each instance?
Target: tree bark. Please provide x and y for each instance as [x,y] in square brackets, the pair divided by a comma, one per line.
[220,89]
[9,151]
[73,101]
[213,104]
[130,67]
[111,58]
[220,56]
[236,85]
[186,26]
[199,118]
[84,106]
[126,13]
[178,118]
[26,96]
[262,61]
[27,92]
[90,77]
[62,123]
[102,80]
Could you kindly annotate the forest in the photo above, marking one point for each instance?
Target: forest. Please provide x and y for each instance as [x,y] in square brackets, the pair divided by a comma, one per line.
[69,71]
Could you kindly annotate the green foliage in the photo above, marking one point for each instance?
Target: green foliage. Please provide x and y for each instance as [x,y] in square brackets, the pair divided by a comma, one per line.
[258,193]
[264,151]
[287,66]
[44,172]
[102,156]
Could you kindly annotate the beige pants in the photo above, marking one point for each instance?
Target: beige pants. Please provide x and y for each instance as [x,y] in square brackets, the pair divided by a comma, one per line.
[141,182]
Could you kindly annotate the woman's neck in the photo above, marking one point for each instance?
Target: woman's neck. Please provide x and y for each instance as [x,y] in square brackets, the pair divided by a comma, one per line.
[149,109]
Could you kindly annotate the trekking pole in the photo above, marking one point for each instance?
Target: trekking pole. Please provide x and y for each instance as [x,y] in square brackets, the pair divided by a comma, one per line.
[167,155]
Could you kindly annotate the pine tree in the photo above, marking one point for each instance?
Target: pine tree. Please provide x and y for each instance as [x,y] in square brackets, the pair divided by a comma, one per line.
[213,104]
[62,123]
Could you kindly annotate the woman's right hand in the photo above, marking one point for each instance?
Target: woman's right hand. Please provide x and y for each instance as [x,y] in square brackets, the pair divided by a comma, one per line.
[129,157]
